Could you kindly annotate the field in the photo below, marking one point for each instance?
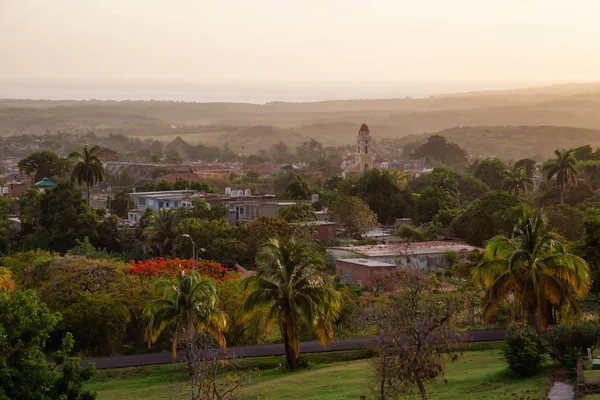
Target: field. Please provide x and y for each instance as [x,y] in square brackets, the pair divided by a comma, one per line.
[476,375]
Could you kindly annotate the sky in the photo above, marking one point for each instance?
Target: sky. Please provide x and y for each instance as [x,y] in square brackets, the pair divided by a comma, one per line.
[356,48]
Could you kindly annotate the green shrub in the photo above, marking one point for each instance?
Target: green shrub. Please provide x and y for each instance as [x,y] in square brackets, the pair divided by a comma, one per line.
[561,347]
[524,352]
[586,335]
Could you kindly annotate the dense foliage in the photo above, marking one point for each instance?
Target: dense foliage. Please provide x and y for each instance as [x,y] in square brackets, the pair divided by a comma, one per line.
[26,324]
[524,351]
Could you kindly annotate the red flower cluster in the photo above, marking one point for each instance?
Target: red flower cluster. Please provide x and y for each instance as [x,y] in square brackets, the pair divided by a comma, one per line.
[150,268]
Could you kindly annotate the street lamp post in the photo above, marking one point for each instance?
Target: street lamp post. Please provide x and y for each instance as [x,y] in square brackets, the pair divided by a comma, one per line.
[185,235]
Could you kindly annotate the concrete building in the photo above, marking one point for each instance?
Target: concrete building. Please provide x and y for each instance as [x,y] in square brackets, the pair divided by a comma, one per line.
[423,255]
[369,274]
[173,199]
[243,210]
[105,155]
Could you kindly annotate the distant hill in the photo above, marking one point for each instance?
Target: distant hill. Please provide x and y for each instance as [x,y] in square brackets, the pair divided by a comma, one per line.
[514,142]
[256,126]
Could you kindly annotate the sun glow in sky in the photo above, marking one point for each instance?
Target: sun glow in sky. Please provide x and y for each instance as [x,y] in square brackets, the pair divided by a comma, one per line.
[295,41]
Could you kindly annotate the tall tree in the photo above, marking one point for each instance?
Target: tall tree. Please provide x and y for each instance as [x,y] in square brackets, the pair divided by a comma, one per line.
[299,212]
[492,214]
[160,233]
[88,169]
[187,306]
[438,149]
[528,164]
[56,219]
[353,215]
[45,164]
[562,168]
[414,329]
[534,269]
[490,172]
[291,280]
[297,189]
[26,371]
[386,194]
[516,180]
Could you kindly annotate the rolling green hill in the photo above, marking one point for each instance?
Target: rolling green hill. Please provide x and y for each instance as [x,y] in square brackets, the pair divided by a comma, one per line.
[530,111]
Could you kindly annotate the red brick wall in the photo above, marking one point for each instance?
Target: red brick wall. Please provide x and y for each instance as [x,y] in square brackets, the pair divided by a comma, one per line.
[325,233]
[369,276]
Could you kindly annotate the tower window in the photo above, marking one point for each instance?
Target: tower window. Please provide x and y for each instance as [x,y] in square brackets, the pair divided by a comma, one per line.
[367,141]
[366,149]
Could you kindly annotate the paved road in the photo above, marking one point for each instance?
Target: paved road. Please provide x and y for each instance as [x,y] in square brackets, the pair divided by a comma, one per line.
[262,350]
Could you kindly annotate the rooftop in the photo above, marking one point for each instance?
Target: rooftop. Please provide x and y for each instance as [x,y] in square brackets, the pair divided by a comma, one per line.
[364,128]
[416,248]
[165,194]
[366,262]
[186,176]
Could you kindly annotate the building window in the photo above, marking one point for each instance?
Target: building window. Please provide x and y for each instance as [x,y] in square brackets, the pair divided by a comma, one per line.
[161,204]
[366,149]
[241,210]
[142,202]
[366,142]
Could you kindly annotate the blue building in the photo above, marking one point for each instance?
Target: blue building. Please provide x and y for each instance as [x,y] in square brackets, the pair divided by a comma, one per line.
[173,199]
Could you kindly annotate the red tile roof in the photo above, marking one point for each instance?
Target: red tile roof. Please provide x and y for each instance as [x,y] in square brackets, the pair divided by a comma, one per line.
[364,128]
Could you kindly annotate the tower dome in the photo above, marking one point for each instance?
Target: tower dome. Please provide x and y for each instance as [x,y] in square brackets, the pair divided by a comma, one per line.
[364,128]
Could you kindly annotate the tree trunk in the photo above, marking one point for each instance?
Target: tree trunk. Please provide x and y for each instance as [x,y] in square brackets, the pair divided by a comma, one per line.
[422,389]
[561,188]
[291,361]
[382,383]
[89,199]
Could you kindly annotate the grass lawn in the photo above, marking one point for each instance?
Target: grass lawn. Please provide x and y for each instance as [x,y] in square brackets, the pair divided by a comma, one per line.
[592,375]
[476,375]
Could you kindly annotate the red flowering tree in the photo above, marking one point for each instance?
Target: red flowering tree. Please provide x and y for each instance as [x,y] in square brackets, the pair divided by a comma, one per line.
[161,267]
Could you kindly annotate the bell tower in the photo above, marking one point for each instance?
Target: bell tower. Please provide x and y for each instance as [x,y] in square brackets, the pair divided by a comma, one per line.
[364,157]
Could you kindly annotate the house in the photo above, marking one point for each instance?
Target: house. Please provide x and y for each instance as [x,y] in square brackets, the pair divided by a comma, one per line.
[324,231]
[423,255]
[173,199]
[14,188]
[408,165]
[186,176]
[381,164]
[105,155]
[368,274]
[246,209]
[212,170]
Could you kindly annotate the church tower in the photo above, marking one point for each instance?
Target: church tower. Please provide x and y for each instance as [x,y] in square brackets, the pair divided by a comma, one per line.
[364,157]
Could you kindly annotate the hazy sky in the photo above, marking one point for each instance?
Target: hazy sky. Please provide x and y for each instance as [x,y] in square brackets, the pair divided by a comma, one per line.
[254,41]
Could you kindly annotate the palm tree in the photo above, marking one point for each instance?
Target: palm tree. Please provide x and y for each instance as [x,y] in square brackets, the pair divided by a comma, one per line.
[186,306]
[563,169]
[89,169]
[161,231]
[516,180]
[534,269]
[447,183]
[290,279]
